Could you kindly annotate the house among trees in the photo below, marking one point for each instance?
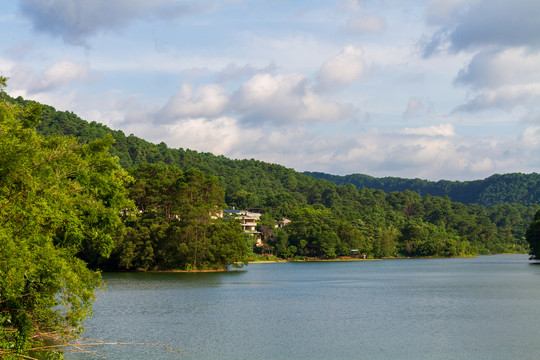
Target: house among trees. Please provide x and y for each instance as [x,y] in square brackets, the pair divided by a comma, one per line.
[248,221]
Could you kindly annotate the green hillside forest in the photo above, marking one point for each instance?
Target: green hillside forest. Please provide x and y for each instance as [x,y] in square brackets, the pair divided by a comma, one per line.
[328,220]
[77,197]
[497,189]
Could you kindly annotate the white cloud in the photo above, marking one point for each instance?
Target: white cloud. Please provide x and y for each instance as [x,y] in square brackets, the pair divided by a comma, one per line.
[207,100]
[342,70]
[431,153]
[441,130]
[531,138]
[58,74]
[223,135]
[492,68]
[6,66]
[505,98]
[285,98]
[55,80]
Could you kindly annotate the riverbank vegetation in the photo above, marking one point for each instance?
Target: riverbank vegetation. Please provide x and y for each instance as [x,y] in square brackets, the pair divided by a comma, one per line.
[77,197]
[59,198]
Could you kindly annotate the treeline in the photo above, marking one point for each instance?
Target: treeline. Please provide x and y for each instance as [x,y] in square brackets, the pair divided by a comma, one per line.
[497,189]
[399,224]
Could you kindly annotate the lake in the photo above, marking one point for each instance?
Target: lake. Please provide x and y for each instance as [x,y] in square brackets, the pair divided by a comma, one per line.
[469,308]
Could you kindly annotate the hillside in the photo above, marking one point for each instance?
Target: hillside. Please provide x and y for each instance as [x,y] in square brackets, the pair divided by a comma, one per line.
[245,177]
[327,219]
[515,188]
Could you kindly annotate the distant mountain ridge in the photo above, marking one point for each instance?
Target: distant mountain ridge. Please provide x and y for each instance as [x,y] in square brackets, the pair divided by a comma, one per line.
[497,189]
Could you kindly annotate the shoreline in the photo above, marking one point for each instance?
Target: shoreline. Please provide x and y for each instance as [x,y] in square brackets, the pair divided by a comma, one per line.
[341,259]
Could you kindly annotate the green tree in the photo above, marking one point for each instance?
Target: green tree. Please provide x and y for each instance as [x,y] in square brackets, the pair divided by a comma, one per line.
[58,199]
[178,225]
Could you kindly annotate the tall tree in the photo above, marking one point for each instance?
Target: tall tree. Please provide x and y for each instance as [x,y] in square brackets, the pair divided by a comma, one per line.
[58,199]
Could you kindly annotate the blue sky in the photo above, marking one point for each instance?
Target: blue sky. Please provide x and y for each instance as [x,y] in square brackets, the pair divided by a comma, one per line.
[440,89]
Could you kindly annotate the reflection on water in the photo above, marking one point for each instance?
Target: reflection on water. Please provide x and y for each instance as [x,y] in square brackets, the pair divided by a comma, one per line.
[474,308]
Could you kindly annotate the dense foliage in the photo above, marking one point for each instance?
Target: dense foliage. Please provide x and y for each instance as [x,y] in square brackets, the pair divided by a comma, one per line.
[58,199]
[517,188]
[400,224]
[179,225]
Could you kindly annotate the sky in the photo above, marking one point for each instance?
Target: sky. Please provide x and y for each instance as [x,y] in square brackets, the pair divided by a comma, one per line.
[433,89]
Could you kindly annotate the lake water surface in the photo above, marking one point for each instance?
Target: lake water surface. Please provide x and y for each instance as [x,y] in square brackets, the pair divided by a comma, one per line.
[473,308]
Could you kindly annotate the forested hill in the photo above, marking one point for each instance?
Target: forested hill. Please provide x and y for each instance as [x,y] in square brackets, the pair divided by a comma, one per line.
[512,188]
[247,183]
[327,220]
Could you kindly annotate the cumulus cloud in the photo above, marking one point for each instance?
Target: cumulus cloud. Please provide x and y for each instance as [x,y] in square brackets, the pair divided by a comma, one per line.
[285,98]
[58,74]
[506,98]
[531,137]
[480,23]
[431,153]
[502,79]
[492,68]
[341,70]
[280,100]
[207,100]
[504,71]
[75,21]
[25,81]
[222,135]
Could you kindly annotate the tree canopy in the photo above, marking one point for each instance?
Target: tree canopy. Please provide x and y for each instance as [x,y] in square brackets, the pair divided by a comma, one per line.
[179,225]
[58,199]
[497,189]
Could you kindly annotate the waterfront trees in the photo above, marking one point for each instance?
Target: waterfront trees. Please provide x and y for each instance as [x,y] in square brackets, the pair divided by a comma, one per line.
[58,199]
[177,224]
